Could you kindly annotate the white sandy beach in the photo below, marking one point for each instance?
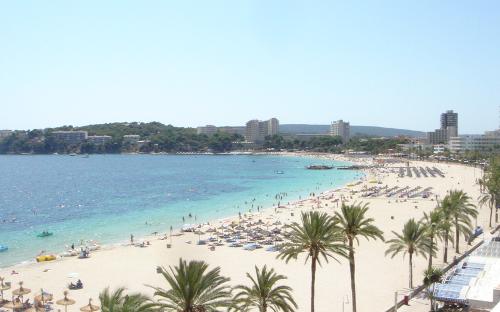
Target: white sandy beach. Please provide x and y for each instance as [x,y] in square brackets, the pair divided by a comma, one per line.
[378,277]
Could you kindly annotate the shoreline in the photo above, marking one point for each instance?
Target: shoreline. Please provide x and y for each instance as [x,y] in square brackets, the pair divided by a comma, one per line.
[151,236]
[134,267]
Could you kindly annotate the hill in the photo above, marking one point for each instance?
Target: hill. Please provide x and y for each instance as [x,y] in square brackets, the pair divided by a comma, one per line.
[355,130]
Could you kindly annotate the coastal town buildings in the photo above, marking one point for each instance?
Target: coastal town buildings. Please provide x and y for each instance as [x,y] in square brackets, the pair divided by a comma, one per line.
[70,137]
[5,133]
[99,139]
[342,129]
[210,130]
[131,138]
[256,130]
[449,128]
[488,142]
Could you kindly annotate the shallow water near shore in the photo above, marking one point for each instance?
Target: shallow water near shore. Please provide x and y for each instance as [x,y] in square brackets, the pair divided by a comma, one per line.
[108,197]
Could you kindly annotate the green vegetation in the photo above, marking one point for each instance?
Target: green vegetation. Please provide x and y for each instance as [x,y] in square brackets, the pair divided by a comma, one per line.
[264,294]
[431,277]
[490,187]
[375,145]
[324,143]
[318,237]
[193,288]
[354,224]
[155,137]
[118,301]
[434,230]
[412,241]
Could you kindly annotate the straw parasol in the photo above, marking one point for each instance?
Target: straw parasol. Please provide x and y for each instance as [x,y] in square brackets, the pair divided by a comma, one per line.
[3,287]
[13,305]
[65,301]
[89,307]
[21,291]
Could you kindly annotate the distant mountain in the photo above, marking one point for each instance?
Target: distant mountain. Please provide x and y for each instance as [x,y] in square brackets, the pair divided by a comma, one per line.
[355,130]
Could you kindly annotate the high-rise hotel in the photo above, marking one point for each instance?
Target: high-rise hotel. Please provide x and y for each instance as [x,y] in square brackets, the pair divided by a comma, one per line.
[341,129]
[256,130]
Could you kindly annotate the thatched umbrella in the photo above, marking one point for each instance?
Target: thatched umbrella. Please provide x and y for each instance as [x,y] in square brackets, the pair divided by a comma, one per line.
[66,301]
[89,307]
[13,305]
[21,291]
[3,287]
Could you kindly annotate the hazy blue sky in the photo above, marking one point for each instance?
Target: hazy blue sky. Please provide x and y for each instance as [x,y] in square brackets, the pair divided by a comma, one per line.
[188,63]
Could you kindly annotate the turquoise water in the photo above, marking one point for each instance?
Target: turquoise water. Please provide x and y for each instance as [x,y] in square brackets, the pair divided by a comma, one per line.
[108,197]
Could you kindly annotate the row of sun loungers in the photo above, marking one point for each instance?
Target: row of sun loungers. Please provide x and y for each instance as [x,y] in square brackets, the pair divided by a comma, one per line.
[397,192]
[420,172]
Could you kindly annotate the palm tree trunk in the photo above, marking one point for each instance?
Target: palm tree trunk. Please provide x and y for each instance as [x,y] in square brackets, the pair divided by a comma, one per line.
[313,280]
[411,270]
[431,247]
[352,267]
[457,236]
[445,256]
[264,307]
[491,214]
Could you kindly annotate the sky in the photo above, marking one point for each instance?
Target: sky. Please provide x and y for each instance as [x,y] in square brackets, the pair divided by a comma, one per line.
[395,64]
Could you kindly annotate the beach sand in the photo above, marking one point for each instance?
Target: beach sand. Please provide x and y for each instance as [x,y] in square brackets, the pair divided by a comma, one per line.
[377,276]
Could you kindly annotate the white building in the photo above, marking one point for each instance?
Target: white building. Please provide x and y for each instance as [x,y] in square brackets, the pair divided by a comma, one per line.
[256,130]
[99,139]
[488,142]
[5,133]
[341,129]
[208,130]
[131,138]
[70,137]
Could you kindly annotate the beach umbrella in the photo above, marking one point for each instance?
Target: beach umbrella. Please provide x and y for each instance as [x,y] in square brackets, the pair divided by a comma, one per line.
[3,287]
[89,307]
[66,301]
[21,291]
[13,305]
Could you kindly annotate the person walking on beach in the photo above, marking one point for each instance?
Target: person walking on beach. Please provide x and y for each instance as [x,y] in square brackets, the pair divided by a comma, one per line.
[131,239]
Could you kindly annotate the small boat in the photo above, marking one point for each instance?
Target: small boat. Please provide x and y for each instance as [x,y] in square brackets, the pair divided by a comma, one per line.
[3,248]
[45,234]
[44,258]
[72,154]
[279,172]
[319,167]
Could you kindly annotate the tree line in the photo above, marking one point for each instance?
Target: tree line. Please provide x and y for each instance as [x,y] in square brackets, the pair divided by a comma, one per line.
[155,137]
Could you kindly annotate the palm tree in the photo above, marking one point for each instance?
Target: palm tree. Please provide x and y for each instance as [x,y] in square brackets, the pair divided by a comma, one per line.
[118,301]
[447,223]
[462,210]
[489,197]
[353,224]
[434,229]
[264,293]
[318,237]
[193,288]
[412,241]
[431,277]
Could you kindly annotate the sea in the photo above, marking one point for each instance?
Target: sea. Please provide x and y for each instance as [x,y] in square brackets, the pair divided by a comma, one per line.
[107,198]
